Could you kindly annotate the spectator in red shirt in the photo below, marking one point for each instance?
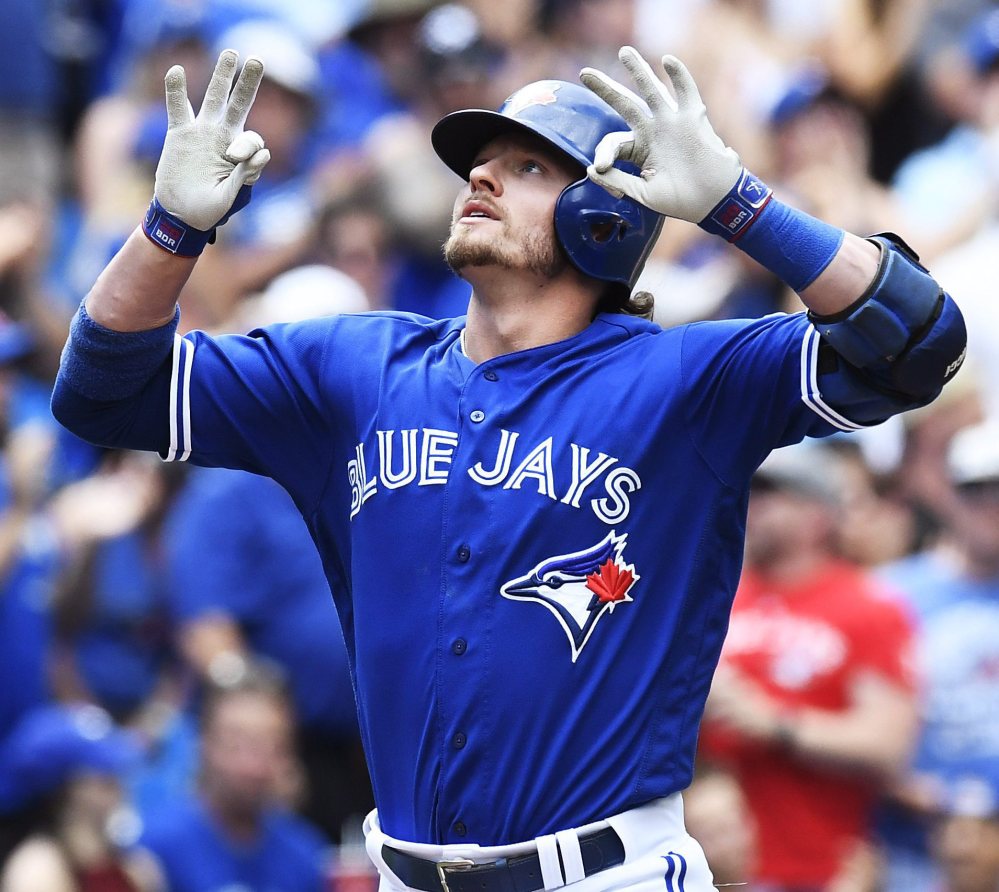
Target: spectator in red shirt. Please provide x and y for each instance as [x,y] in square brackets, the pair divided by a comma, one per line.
[813,705]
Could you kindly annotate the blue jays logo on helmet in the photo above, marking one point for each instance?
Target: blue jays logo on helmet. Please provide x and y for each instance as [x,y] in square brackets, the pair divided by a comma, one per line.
[579,588]
[604,236]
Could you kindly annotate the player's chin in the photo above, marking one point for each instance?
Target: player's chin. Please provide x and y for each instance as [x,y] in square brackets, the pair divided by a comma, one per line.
[461,251]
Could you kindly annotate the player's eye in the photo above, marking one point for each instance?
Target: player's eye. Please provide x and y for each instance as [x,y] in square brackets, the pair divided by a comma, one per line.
[531,166]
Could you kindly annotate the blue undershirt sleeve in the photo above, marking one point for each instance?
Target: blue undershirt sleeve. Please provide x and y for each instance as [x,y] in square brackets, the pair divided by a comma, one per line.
[113,387]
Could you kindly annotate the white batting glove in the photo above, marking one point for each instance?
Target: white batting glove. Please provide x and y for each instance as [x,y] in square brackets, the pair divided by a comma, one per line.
[207,159]
[686,169]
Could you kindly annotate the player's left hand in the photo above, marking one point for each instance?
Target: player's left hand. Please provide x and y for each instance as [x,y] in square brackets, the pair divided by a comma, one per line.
[686,169]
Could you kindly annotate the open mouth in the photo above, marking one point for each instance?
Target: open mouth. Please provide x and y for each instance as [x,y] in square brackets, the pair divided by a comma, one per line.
[477,210]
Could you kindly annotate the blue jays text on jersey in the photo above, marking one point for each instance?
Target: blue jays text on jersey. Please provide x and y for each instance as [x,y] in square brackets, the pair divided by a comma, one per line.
[429,464]
[533,558]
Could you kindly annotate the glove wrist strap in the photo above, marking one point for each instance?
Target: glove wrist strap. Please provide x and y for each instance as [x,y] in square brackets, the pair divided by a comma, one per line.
[739,209]
[172,234]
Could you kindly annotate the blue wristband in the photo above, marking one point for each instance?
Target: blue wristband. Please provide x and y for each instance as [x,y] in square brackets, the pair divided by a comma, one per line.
[174,235]
[793,245]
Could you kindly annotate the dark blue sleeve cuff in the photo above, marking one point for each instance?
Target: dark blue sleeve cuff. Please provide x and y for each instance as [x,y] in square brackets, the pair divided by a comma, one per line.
[107,365]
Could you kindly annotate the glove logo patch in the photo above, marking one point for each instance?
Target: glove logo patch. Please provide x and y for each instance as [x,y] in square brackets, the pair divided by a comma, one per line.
[739,208]
[579,588]
[166,233]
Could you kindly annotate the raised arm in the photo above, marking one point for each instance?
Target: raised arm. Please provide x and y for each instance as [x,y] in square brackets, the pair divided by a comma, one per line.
[121,370]
[869,299]
[205,170]
[112,386]
[139,288]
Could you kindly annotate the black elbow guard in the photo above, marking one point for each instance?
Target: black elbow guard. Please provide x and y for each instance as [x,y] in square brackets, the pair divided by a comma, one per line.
[904,330]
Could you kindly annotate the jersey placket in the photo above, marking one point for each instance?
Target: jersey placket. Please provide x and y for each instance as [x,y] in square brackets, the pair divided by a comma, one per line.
[467,611]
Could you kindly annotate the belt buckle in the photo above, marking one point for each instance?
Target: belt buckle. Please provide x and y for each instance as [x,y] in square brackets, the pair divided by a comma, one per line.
[454,864]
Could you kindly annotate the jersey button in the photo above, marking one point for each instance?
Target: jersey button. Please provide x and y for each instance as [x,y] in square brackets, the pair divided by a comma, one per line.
[464,553]
[459,828]
[477,416]
[490,375]
[459,646]
[459,740]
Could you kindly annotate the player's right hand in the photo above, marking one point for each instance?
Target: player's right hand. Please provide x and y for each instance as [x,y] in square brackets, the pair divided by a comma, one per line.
[208,158]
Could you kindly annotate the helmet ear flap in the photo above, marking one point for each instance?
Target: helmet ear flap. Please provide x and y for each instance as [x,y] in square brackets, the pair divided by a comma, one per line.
[605,237]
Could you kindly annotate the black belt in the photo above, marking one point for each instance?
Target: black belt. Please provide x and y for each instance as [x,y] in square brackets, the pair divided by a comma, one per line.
[600,850]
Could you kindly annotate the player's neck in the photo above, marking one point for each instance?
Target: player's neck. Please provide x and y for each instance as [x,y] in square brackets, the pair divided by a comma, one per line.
[506,315]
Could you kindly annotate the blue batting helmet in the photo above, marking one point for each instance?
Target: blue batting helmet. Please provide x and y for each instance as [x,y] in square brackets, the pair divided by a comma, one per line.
[605,237]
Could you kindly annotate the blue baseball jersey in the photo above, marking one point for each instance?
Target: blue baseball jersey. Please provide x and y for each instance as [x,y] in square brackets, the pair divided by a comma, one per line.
[536,554]
[533,557]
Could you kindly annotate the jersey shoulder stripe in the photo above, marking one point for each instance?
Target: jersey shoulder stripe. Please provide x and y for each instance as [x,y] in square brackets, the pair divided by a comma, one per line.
[180,400]
[811,395]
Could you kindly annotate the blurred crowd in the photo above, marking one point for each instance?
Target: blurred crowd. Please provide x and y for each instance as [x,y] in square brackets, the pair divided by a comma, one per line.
[176,711]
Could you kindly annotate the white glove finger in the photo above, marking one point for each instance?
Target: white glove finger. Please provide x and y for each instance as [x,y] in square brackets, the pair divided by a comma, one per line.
[650,87]
[619,183]
[244,93]
[247,172]
[244,146]
[179,109]
[687,94]
[617,96]
[612,147]
[219,85]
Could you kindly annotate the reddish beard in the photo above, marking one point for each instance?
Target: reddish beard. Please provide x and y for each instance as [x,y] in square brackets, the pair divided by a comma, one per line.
[536,252]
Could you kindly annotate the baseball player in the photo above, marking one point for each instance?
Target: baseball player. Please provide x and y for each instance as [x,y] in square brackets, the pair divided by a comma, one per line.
[532,516]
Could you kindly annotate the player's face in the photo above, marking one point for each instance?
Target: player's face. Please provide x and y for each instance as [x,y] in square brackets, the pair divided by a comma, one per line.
[505,217]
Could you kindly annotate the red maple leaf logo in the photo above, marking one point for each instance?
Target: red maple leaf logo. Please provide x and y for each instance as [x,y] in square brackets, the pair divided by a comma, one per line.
[611,583]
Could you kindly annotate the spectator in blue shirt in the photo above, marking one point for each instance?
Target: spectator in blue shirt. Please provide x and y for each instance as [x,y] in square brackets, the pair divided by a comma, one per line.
[954,592]
[61,773]
[244,579]
[236,830]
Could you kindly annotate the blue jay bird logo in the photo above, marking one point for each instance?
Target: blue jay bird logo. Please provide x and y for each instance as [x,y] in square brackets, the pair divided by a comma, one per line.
[579,588]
